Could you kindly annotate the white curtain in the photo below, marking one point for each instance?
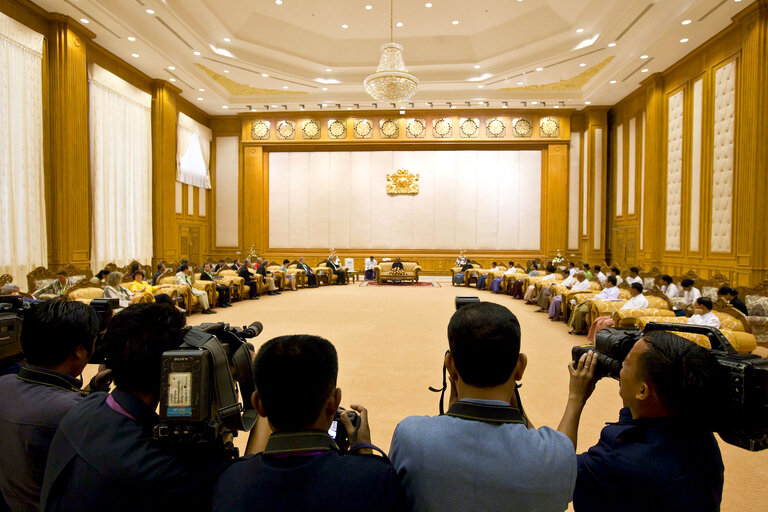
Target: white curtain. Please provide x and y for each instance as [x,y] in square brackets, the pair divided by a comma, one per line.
[121,170]
[23,241]
[193,152]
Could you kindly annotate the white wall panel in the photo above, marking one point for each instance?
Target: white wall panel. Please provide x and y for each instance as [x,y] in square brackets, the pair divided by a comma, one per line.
[619,170]
[190,200]
[597,234]
[696,165]
[201,207]
[227,207]
[674,170]
[468,200]
[573,190]
[722,161]
[178,197]
[585,185]
[631,164]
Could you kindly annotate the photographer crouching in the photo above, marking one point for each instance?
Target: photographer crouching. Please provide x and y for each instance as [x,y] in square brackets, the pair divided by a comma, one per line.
[103,456]
[661,455]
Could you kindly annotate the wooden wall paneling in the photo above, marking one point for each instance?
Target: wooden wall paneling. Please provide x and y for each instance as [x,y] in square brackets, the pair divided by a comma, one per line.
[555,203]
[597,122]
[68,175]
[254,192]
[27,13]
[164,217]
[655,165]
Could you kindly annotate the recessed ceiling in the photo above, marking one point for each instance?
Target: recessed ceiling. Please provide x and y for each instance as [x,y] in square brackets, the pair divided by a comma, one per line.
[266,56]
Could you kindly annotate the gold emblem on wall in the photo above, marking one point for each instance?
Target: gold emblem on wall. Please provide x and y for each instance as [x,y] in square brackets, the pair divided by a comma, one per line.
[402,182]
[549,127]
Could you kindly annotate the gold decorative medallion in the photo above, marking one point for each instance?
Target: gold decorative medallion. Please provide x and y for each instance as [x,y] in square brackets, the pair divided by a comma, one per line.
[260,130]
[416,128]
[402,182]
[363,129]
[311,130]
[522,127]
[441,128]
[389,129]
[549,127]
[469,127]
[495,128]
[286,130]
[337,129]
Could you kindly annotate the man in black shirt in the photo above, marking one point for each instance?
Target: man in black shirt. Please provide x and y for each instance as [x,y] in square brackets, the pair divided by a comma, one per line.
[302,468]
[311,277]
[731,296]
[245,273]
[103,457]
[156,275]
[225,295]
[261,269]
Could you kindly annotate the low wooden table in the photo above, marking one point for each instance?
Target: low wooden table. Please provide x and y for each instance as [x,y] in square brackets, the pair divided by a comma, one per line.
[354,274]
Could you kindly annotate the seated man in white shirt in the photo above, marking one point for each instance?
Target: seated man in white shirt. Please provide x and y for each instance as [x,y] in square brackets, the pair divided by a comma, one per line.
[690,293]
[580,284]
[615,272]
[599,275]
[634,276]
[549,275]
[568,279]
[572,268]
[369,264]
[578,321]
[482,281]
[669,288]
[636,301]
[703,315]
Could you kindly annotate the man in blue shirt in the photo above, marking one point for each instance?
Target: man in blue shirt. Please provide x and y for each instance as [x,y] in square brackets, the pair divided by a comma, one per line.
[302,468]
[660,455]
[484,454]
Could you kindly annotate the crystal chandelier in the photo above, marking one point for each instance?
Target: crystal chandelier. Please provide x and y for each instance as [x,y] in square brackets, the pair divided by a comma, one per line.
[391,82]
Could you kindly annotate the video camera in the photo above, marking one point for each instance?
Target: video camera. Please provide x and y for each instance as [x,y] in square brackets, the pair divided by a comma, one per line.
[746,407]
[12,310]
[199,403]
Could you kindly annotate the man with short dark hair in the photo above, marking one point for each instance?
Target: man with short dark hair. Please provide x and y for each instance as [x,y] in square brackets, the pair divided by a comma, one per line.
[661,454]
[160,271]
[703,315]
[731,296]
[103,456]
[669,288]
[55,288]
[185,277]
[58,339]
[311,277]
[634,276]
[261,269]
[225,294]
[483,454]
[302,468]
[690,292]
[247,275]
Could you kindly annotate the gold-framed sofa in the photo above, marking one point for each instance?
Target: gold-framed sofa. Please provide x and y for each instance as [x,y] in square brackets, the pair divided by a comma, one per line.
[470,275]
[325,274]
[302,281]
[383,272]
[41,277]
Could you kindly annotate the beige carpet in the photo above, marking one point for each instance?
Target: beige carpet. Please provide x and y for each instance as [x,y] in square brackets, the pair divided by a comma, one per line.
[391,342]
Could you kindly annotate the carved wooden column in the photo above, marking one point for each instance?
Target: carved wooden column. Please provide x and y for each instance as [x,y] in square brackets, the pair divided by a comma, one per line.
[255,190]
[597,141]
[164,118]
[655,172]
[554,211]
[751,187]
[68,181]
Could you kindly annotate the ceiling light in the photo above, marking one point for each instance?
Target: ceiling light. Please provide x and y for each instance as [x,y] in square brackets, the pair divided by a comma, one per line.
[737,0]
[221,51]
[611,45]
[534,103]
[171,79]
[325,88]
[279,2]
[519,83]
[579,30]
[368,7]
[455,22]
[172,68]
[265,75]
[135,55]
[427,5]
[301,108]
[324,105]
[196,52]
[201,90]
[557,106]
[479,86]
[453,106]
[402,112]
[327,70]
[539,69]
[224,106]
[504,105]
[644,70]
[586,42]
[345,26]
[150,11]
[225,71]
[274,106]
[285,87]
[83,20]
[582,64]
[477,66]
[587,102]
[684,40]
[399,24]
[643,57]
[199,99]
[612,82]
[686,22]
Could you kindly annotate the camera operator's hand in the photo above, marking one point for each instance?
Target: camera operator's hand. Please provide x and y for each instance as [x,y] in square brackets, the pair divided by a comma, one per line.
[582,382]
[362,434]
[101,381]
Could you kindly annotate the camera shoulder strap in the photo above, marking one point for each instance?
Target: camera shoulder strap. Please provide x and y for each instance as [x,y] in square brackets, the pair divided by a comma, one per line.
[487,413]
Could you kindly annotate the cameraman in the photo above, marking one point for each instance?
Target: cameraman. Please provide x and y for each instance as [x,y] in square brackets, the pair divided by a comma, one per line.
[483,454]
[103,456]
[302,468]
[57,338]
[660,455]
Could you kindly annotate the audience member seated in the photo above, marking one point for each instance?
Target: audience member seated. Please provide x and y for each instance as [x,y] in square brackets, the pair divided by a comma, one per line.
[334,264]
[55,288]
[14,289]
[261,269]
[578,318]
[549,275]
[599,275]
[113,290]
[103,456]
[634,276]
[497,281]
[731,296]
[290,278]
[245,273]
[534,270]
[301,467]
[636,301]
[160,271]
[615,272]
[703,315]
[669,288]
[369,264]
[571,269]
[483,454]
[311,277]
[585,267]
[458,277]
[100,277]
[481,280]
[183,278]
[225,293]
[397,264]
[660,455]
[138,285]
[690,293]
[236,265]
[58,339]
[579,284]
[545,288]
[220,265]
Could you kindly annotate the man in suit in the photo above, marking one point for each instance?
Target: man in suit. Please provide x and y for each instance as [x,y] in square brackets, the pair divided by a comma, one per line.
[236,265]
[311,277]
[156,275]
[245,273]
[225,294]
[270,280]
[220,265]
[335,265]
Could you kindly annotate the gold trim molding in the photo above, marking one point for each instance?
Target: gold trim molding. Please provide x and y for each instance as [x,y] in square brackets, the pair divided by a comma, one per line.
[575,83]
[402,182]
[238,89]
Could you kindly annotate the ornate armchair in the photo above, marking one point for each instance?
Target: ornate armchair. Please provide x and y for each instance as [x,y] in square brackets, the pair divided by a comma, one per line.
[208,286]
[756,300]
[230,278]
[42,276]
[84,291]
[277,273]
[184,292]
[383,271]
[302,281]
[656,300]
[325,274]
[476,265]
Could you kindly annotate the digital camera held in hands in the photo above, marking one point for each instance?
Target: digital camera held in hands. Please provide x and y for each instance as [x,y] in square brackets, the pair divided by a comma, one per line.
[338,431]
